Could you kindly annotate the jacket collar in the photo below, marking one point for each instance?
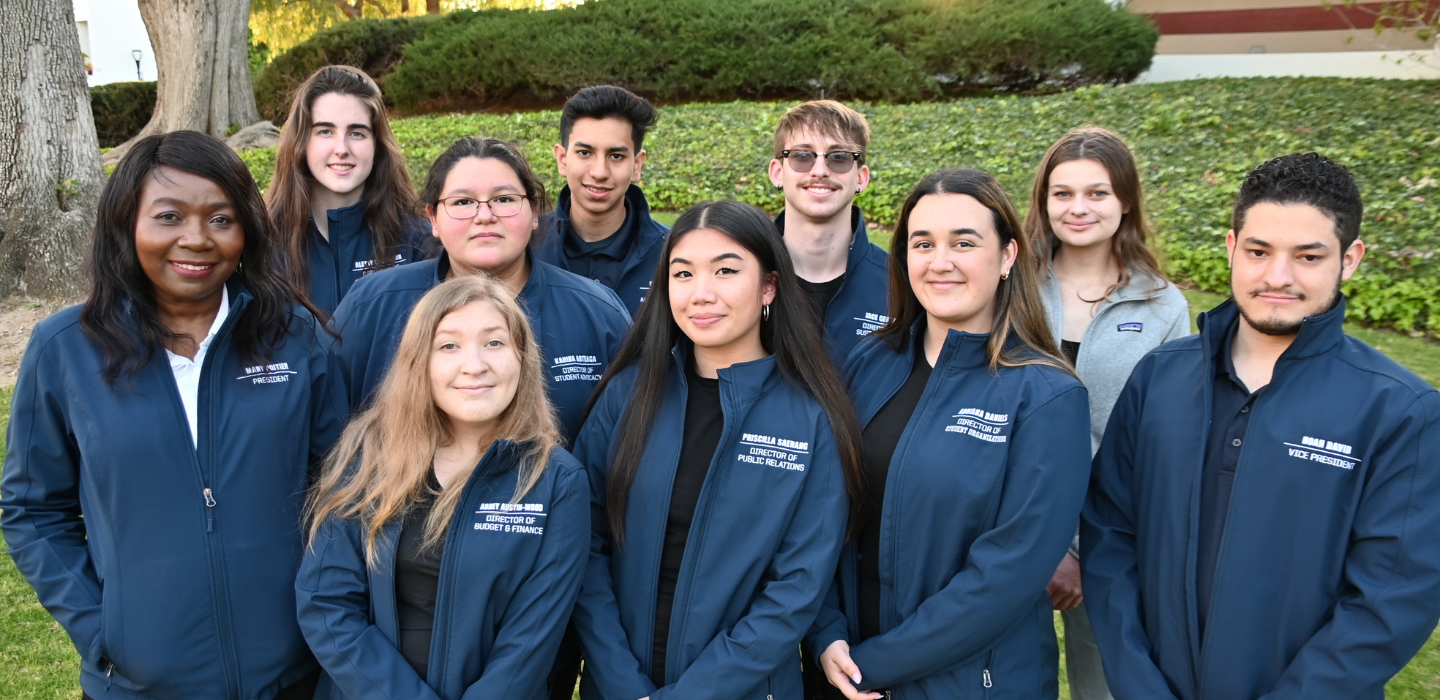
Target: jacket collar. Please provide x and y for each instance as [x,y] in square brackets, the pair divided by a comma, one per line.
[637,211]
[744,381]
[960,351]
[859,239]
[1318,334]
[350,220]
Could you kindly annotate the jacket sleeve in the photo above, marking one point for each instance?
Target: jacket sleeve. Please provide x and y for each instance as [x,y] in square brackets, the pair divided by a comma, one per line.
[797,579]
[608,659]
[40,502]
[1391,587]
[332,600]
[1109,560]
[329,406]
[351,347]
[830,624]
[533,622]
[1181,325]
[1006,570]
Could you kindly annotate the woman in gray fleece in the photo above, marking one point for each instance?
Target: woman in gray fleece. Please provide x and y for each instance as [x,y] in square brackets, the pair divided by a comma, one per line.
[1107,304]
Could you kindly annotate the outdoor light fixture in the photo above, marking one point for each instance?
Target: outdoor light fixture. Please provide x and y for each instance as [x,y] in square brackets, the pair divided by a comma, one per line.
[136,55]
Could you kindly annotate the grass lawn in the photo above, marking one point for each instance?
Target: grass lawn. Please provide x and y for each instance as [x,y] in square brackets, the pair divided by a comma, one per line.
[37,661]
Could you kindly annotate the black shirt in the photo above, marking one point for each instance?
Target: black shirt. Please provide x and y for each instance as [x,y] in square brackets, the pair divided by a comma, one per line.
[1071,350]
[417,577]
[704,422]
[881,437]
[1230,411]
[602,260]
[819,295]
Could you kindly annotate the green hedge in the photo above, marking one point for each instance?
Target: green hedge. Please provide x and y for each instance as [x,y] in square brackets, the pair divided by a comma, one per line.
[1195,141]
[121,110]
[708,50]
[373,45]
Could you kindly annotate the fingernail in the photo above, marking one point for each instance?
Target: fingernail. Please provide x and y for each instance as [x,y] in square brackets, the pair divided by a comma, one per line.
[856,677]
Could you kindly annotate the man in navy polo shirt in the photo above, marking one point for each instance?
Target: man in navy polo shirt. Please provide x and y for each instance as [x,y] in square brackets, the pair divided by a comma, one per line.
[819,161]
[1264,507]
[601,227]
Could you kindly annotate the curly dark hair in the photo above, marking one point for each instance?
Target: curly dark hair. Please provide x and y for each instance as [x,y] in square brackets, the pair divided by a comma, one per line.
[1305,178]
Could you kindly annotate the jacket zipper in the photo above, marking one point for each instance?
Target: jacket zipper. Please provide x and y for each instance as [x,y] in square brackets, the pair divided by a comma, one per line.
[218,582]
[440,632]
[985,680]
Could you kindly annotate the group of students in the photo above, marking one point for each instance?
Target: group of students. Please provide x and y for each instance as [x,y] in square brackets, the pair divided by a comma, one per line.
[454,467]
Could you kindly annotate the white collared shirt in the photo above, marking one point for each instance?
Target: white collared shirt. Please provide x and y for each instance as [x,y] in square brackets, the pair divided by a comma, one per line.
[187,371]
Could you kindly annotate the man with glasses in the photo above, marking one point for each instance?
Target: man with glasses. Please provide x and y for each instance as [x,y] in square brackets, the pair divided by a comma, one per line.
[601,227]
[820,153]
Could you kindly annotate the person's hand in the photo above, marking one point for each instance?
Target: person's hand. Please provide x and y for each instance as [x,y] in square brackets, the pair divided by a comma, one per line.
[1064,588]
[842,672]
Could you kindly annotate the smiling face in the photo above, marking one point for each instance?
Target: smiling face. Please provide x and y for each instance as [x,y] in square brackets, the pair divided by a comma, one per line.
[495,244]
[1081,204]
[1286,265]
[474,367]
[340,151]
[187,237]
[955,260]
[599,164]
[717,290]
[818,195]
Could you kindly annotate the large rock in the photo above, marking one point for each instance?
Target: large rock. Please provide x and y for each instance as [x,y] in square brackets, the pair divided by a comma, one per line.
[257,135]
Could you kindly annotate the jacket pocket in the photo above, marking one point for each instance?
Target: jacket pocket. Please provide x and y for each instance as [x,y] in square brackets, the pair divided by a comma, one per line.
[112,641]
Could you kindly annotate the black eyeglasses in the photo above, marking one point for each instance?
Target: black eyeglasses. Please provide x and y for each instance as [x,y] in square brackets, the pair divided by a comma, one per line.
[835,161]
[463,207]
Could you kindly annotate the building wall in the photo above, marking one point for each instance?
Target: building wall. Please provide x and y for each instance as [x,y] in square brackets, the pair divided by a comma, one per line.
[109,30]
[1252,38]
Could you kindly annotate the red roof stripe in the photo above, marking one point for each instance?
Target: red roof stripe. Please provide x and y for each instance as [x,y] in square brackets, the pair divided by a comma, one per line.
[1279,19]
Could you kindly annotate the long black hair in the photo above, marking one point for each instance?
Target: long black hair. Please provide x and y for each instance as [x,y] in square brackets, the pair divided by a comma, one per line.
[792,334]
[115,277]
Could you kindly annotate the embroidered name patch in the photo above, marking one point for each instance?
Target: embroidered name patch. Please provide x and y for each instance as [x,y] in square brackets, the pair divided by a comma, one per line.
[981,424]
[268,374]
[869,323]
[775,452]
[520,518]
[570,368]
[1335,454]
[1132,326]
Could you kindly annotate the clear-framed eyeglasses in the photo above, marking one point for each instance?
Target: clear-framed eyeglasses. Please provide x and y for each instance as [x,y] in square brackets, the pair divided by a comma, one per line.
[463,207]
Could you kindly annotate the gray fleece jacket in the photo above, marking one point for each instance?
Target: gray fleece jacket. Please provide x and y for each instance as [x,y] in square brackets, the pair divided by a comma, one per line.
[1132,321]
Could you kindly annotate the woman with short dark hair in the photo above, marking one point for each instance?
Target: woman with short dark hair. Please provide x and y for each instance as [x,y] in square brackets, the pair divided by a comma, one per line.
[162,436]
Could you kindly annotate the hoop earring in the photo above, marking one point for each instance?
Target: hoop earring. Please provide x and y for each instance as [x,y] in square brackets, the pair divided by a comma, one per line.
[765,313]
[1005,275]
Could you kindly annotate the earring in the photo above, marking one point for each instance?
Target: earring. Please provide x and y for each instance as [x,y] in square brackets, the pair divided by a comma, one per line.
[765,312]
[1005,275]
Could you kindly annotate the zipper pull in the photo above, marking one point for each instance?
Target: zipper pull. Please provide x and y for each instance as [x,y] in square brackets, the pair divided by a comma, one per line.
[209,510]
[109,671]
[986,675]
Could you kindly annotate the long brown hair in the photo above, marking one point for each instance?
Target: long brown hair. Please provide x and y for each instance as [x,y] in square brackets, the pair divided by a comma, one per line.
[792,334]
[1019,311]
[389,194]
[1130,244]
[381,463]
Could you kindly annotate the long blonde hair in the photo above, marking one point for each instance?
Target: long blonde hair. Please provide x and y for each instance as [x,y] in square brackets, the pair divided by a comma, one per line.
[381,464]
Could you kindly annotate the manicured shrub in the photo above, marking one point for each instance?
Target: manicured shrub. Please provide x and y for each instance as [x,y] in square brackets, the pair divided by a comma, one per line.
[715,50]
[372,45]
[121,110]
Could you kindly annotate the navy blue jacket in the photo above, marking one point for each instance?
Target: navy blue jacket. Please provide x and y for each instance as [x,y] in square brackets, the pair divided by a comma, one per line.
[1328,575]
[579,325]
[858,308]
[645,241]
[759,557]
[509,574]
[984,490]
[336,264]
[179,581]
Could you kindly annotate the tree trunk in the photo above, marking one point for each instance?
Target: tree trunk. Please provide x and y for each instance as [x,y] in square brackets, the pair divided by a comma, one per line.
[204,68]
[432,7]
[48,151]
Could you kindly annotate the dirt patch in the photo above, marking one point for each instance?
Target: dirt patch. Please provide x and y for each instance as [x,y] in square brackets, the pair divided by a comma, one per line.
[17,318]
